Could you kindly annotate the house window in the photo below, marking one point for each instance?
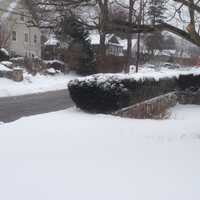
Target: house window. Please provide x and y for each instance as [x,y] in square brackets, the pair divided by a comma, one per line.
[22,16]
[35,38]
[26,37]
[14,36]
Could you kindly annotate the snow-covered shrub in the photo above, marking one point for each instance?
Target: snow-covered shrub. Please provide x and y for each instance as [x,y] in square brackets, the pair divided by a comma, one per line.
[7,64]
[4,70]
[106,93]
[4,55]
[51,71]
[18,61]
[56,65]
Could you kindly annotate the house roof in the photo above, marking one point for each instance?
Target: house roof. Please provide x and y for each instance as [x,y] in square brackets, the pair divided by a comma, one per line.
[124,43]
[52,41]
[110,39]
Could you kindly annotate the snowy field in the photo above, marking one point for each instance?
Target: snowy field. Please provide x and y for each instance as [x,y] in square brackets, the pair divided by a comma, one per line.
[34,84]
[78,156]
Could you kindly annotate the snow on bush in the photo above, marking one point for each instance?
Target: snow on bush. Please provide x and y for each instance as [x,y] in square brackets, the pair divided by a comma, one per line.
[103,93]
[7,64]
[4,55]
[51,71]
[107,93]
[4,68]
[55,64]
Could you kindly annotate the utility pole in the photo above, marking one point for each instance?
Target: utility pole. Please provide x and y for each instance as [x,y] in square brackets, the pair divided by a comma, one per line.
[129,39]
[139,36]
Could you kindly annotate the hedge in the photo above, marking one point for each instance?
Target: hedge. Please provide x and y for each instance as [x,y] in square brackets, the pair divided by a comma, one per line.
[190,81]
[107,93]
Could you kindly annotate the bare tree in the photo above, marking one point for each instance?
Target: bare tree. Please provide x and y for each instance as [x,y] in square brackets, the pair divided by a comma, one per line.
[4,36]
[104,25]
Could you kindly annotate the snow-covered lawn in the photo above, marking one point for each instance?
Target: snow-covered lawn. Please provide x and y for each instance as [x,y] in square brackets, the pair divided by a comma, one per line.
[78,156]
[41,83]
[161,72]
[34,84]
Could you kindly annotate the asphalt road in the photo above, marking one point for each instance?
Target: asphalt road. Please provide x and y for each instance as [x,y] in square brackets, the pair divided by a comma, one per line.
[13,108]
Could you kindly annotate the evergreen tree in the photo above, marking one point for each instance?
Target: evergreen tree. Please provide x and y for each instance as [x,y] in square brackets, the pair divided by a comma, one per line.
[156,11]
[82,59]
[154,41]
[156,14]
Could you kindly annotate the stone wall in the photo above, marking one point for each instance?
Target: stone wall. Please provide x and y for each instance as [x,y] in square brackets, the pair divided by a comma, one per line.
[109,93]
[155,108]
[189,97]
[15,75]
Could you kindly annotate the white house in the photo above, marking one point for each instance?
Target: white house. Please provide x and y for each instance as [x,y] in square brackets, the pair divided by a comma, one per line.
[18,20]
[113,46]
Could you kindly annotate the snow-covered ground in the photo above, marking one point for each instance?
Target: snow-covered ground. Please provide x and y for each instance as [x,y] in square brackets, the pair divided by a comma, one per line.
[34,84]
[143,73]
[74,155]
[41,83]
[160,71]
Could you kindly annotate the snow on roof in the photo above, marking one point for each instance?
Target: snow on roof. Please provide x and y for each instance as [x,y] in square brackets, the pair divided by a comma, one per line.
[124,43]
[167,52]
[95,39]
[52,41]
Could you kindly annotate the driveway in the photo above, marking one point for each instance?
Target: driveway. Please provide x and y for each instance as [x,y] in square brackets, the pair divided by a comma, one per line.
[13,108]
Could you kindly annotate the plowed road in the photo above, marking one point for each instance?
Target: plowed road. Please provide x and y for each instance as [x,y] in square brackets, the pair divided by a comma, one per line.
[13,108]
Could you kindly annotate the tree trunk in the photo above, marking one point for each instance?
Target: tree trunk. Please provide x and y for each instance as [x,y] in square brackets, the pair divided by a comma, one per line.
[129,38]
[103,6]
[102,44]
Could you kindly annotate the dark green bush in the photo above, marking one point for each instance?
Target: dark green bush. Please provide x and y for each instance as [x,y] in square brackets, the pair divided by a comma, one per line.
[107,93]
[189,81]
[103,93]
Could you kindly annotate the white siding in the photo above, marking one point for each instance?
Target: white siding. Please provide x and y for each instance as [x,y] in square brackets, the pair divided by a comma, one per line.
[20,46]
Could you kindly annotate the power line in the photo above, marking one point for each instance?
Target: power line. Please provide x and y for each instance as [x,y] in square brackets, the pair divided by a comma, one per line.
[14,12]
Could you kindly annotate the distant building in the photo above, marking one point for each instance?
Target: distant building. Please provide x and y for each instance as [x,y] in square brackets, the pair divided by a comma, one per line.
[113,45]
[19,24]
[50,48]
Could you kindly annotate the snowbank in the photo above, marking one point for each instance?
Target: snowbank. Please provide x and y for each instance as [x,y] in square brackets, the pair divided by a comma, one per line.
[73,155]
[145,73]
[34,84]
[53,61]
